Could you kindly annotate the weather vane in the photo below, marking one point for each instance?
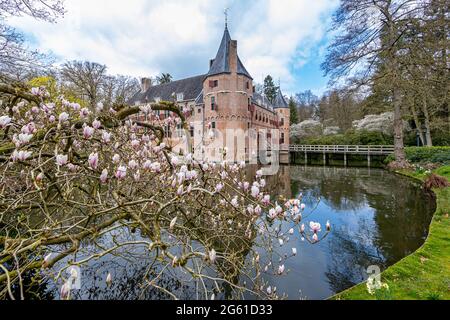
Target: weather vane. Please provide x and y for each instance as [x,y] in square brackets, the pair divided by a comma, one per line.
[225,11]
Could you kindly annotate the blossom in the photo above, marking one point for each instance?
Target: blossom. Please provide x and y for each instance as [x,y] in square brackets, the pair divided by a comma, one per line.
[255,192]
[235,202]
[291,231]
[40,176]
[88,132]
[315,237]
[65,291]
[63,117]
[294,251]
[84,112]
[328,226]
[96,124]
[25,138]
[303,206]
[173,223]
[266,200]
[272,214]
[259,174]
[4,121]
[281,269]
[35,91]
[180,190]
[93,160]
[281,242]
[99,107]
[135,144]
[245,186]
[52,118]
[302,228]
[258,210]
[109,279]
[121,172]
[104,176]
[250,209]
[137,176]
[106,136]
[62,160]
[116,158]
[212,255]
[219,187]
[262,183]
[133,164]
[315,227]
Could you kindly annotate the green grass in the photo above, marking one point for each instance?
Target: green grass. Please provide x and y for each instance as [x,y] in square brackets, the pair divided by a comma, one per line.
[425,274]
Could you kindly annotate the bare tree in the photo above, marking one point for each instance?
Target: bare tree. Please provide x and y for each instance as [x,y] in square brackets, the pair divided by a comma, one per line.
[15,58]
[371,33]
[86,78]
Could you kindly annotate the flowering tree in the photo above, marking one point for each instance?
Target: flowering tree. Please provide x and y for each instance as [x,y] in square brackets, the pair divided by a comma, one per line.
[71,176]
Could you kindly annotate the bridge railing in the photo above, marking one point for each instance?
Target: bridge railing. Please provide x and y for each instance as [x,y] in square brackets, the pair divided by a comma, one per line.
[384,150]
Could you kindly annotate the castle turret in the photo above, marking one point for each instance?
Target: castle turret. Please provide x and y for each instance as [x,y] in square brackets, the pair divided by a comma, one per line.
[228,88]
[284,119]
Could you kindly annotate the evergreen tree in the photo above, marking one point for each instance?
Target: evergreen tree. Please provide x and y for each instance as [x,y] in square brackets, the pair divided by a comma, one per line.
[270,90]
[293,111]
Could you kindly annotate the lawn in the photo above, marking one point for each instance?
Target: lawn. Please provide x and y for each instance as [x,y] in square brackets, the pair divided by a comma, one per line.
[425,274]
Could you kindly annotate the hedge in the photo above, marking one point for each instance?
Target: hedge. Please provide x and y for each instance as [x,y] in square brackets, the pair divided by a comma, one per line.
[422,155]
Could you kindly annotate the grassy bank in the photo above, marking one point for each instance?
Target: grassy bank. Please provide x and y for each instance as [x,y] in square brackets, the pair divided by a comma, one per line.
[425,274]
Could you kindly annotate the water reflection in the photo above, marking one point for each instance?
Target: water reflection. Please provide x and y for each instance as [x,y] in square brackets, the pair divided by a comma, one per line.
[378,218]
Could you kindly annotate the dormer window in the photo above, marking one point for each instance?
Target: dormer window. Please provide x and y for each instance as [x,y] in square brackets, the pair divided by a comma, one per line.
[213,83]
[180,96]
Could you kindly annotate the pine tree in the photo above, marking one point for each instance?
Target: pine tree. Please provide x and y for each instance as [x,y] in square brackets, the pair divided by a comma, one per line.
[293,111]
[270,90]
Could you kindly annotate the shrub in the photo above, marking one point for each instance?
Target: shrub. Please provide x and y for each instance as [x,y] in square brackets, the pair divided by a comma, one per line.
[436,182]
[422,155]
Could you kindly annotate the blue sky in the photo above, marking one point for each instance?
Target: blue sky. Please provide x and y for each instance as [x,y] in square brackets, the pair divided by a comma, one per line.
[284,38]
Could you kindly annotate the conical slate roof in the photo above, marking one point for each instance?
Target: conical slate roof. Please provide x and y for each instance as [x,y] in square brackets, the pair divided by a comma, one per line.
[280,102]
[221,62]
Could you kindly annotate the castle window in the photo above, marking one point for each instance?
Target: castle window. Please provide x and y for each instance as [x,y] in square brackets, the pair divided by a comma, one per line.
[213,104]
[191,131]
[199,110]
[213,125]
[180,96]
[247,85]
[282,138]
[213,83]
[282,122]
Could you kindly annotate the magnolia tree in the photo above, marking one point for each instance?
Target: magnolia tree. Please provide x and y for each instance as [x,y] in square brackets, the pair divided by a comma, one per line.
[376,122]
[307,128]
[70,176]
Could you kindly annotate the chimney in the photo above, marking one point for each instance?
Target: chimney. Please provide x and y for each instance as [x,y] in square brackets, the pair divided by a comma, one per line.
[233,56]
[146,83]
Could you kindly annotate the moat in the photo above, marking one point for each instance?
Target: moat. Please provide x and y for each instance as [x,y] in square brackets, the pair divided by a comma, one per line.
[377,217]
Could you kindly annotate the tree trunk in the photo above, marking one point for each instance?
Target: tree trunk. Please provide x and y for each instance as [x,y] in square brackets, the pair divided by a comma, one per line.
[399,150]
[427,122]
[418,124]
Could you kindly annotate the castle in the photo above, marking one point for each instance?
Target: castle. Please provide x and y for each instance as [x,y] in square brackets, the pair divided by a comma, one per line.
[226,111]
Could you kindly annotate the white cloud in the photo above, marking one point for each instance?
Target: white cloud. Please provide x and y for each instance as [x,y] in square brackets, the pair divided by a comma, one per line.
[140,38]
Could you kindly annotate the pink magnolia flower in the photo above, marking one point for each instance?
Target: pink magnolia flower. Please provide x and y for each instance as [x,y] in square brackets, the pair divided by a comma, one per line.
[258,210]
[137,176]
[259,174]
[235,202]
[315,227]
[219,187]
[266,200]
[291,231]
[121,172]
[88,132]
[135,144]
[35,91]
[84,112]
[173,223]
[272,214]
[133,164]
[109,279]
[302,228]
[52,118]
[21,155]
[262,183]
[116,159]
[250,209]
[245,186]
[63,117]
[303,206]
[180,190]
[4,121]
[93,160]
[106,136]
[315,237]
[212,256]
[25,138]
[104,176]
[281,269]
[62,160]
[96,124]
[255,192]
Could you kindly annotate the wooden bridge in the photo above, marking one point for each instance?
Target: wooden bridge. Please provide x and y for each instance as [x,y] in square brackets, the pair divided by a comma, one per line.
[368,151]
